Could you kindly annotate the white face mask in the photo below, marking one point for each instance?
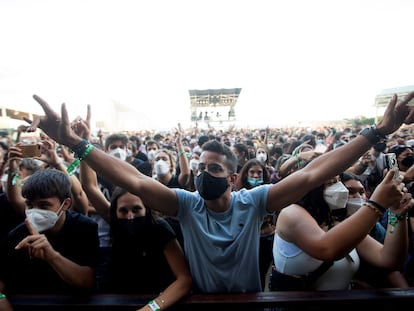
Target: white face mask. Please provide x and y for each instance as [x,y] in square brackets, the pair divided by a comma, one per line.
[42,219]
[151,155]
[161,168]
[119,153]
[353,204]
[262,157]
[194,164]
[336,195]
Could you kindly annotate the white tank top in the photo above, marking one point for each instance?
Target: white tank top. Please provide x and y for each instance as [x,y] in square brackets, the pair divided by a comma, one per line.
[290,259]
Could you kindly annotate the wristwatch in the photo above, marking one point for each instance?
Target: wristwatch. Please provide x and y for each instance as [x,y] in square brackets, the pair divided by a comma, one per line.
[371,133]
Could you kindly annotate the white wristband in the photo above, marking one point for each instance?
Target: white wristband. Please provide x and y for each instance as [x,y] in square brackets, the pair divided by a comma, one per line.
[154,305]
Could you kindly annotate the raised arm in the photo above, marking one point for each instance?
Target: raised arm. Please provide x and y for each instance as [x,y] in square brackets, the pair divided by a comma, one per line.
[153,193]
[14,181]
[294,186]
[88,177]
[185,172]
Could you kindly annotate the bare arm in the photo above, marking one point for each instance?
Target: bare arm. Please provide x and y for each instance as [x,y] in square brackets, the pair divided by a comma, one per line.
[296,225]
[14,182]
[71,272]
[153,193]
[183,283]
[185,173]
[334,162]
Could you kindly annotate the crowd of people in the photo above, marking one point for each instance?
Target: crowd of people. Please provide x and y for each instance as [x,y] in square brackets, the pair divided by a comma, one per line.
[207,211]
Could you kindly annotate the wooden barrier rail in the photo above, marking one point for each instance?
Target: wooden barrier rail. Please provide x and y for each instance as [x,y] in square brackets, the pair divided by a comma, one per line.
[378,299]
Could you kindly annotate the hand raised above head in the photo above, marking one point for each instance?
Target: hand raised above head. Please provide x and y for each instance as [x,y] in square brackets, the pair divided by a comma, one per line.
[388,193]
[55,126]
[397,113]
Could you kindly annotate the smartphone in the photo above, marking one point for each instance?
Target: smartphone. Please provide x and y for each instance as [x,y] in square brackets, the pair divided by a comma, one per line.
[391,162]
[30,151]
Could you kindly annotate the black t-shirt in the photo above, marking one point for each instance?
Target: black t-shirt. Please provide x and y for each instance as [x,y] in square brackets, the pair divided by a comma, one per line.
[139,266]
[9,218]
[76,241]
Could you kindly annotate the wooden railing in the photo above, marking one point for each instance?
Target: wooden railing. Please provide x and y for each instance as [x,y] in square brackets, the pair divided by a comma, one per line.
[378,299]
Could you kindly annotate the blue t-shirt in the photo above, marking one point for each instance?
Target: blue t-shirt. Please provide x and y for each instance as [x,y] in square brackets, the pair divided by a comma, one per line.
[222,248]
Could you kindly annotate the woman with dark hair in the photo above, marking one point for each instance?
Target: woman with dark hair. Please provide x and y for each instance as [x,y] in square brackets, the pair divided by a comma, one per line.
[309,241]
[146,257]
[252,174]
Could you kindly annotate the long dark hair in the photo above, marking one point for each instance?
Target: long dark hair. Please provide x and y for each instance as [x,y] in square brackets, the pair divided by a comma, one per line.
[316,205]
[118,192]
[241,181]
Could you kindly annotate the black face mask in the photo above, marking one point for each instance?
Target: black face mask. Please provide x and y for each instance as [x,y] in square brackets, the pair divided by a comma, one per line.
[408,161]
[130,227]
[210,187]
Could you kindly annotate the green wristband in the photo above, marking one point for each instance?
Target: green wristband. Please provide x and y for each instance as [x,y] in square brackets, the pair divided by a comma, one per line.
[2,296]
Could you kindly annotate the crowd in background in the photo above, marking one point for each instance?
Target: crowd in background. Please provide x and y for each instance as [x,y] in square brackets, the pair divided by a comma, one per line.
[264,156]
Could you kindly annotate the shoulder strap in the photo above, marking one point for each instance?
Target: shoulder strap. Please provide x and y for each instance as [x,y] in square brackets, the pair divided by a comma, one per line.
[311,277]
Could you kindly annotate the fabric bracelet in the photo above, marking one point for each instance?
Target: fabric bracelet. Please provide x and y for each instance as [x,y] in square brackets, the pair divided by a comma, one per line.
[79,149]
[154,305]
[2,296]
[394,218]
[180,153]
[74,165]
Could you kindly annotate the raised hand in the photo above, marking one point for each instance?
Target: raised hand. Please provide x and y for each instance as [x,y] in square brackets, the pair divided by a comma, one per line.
[36,244]
[397,113]
[55,126]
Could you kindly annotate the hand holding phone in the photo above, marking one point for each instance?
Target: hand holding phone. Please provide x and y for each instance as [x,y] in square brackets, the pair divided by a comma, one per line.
[31,150]
[391,162]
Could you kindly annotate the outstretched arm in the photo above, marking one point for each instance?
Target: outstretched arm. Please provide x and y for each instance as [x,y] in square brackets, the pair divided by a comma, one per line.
[293,187]
[153,193]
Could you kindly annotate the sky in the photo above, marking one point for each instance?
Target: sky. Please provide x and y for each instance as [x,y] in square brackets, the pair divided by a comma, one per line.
[295,61]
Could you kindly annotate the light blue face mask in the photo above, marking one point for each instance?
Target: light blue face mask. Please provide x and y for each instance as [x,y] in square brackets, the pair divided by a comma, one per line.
[253,182]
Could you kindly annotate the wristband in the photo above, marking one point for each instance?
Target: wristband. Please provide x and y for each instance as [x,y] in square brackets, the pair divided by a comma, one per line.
[180,153]
[394,218]
[154,305]
[82,149]
[2,296]
[371,133]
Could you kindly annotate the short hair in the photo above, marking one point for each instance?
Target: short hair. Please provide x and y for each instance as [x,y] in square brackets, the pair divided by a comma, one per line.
[30,165]
[114,137]
[223,149]
[241,147]
[47,183]
[202,139]
[151,142]
[136,140]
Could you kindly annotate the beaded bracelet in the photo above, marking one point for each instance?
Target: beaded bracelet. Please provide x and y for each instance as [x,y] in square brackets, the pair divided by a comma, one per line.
[374,208]
[377,205]
[394,218]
